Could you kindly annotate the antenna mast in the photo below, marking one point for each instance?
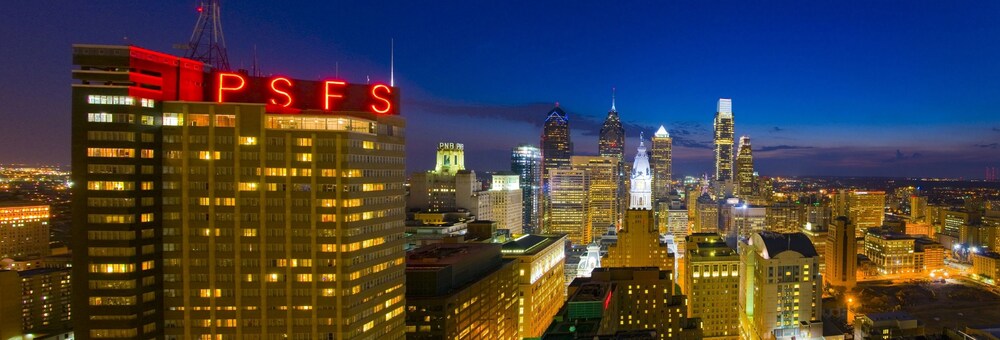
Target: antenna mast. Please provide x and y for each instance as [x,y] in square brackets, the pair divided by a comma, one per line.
[207,43]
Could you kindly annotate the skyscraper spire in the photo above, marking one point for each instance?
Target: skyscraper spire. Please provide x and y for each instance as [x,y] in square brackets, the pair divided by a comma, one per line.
[613,99]
[640,191]
[392,62]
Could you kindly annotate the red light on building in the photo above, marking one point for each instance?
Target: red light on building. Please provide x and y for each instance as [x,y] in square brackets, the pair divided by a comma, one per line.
[607,300]
[328,94]
[274,88]
[223,87]
[387,105]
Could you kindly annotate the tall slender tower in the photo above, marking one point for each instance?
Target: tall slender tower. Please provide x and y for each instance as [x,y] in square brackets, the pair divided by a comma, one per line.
[744,169]
[611,143]
[526,161]
[556,151]
[208,44]
[641,180]
[841,253]
[724,140]
[660,160]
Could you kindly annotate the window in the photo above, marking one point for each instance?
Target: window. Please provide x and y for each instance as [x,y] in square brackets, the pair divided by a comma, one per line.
[225,120]
[248,140]
[111,152]
[110,185]
[173,119]
[110,100]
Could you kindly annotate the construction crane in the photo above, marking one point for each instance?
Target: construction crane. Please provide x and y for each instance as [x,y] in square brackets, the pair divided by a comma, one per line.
[207,43]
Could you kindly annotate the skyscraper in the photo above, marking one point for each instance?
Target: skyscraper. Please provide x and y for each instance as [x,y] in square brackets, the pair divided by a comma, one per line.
[780,285]
[841,254]
[24,230]
[206,198]
[744,170]
[866,209]
[603,187]
[526,161]
[569,209]
[660,161]
[711,282]
[539,261]
[556,151]
[724,140]
[611,143]
[640,195]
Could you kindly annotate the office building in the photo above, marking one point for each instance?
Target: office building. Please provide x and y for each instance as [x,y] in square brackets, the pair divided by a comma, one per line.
[706,215]
[780,288]
[24,230]
[46,300]
[817,234]
[460,290]
[557,148]
[10,305]
[569,210]
[712,285]
[602,190]
[222,205]
[450,186]
[894,253]
[785,217]
[661,162]
[639,238]
[987,266]
[526,161]
[724,140]
[746,220]
[918,209]
[744,169]
[866,209]
[841,254]
[538,261]
[505,196]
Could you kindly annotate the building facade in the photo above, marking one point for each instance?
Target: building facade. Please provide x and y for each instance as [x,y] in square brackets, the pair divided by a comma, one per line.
[841,254]
[541,291]
[460,291]
[569,211]
[603,187]
[661,162]
[866,209]
[781,288]
[24,230]
[712,285]
[526,161]
[724,140]
[557,148]
[744,169]
[505,196]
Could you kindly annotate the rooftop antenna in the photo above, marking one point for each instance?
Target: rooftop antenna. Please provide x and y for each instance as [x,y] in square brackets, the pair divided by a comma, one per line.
[207,43]
[613,101]
[392,62]
[337,69]
[255,69]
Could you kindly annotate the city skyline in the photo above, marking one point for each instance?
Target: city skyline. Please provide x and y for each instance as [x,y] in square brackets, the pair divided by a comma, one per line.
[891,89]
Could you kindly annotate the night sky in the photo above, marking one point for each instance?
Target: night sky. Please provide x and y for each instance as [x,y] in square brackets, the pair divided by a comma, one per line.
[883,88]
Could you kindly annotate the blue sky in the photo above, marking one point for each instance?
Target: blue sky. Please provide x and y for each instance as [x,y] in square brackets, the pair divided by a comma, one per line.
[887,88]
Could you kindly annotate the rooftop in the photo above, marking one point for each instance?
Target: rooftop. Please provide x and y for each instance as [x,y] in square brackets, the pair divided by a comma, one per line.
[777,243]
[530,243]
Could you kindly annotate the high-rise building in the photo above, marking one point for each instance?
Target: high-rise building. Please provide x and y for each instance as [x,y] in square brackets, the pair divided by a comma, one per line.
[45,300]
[450,187]
[10,306]
[894,253]
[780,289]
[505,193]
[712,285]
[706,215]
[456,290]
[785,217]
[746,221]
[541,289]
[603,188]
[639,238]
[526,161]
[611,143]
[569,210]
[817,234]
[724,140]
[24,230]
[841,254]
[557,148]
[744,169]
[918,209]
[208,197]
[866,209]
[660,159]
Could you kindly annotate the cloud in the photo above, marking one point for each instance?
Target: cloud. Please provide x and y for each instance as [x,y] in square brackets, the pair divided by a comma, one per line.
[988,146]
[781,147]
[775,130]
[996,129]
[900,156]
[685,134]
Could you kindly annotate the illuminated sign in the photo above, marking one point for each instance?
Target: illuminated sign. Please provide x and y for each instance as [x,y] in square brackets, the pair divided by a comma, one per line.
[287,95]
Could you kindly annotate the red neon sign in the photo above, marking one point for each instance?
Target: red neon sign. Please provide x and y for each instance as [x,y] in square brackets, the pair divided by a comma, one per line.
[386,104]
[224,88]
[289,96]
[607,300]
[274,88]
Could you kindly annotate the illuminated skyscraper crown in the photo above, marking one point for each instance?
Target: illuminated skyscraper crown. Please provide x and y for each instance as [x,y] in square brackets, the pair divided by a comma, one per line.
[642,180]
